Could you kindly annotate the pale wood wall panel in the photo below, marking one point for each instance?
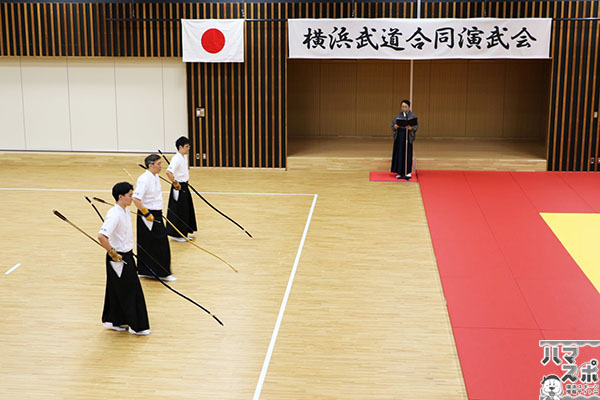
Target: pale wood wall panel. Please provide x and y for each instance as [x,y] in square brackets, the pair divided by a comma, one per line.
[374,95]
[485,98]
[304,98]
[448,102]
[338,99]
[401,84]
[526,99]
[457,98]
[345,98]
[422,96]
[12,128]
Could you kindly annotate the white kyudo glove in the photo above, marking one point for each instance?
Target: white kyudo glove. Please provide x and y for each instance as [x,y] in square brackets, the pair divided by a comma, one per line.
[114,255]
[147,214]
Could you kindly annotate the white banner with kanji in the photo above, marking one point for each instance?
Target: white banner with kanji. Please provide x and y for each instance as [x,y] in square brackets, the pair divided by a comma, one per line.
[396,39]
[212,40]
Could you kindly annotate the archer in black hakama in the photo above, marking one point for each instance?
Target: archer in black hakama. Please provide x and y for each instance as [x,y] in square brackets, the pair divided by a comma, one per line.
[181,212]
[124,302]
[153,246]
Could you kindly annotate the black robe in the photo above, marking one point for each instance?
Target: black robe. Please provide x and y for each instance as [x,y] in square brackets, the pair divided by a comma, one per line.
[402,154]
[124,302]
[153,246]
[181,212]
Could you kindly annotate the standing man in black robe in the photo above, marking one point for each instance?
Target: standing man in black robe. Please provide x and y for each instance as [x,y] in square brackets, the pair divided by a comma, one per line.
[404,136]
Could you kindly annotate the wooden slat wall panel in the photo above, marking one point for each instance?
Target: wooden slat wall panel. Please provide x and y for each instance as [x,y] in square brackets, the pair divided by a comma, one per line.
[572,128]
[484,98]
[245,103]
[338,99]
[482,111]
[304,97]
[376,96]
[83,29]
[246,125]
[451,99]
[525,108]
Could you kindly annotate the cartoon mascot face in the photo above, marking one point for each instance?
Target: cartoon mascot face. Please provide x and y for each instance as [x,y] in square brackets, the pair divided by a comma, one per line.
[551,387]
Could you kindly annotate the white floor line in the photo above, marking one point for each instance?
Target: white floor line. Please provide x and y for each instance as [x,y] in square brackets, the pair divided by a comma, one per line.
[12,269]
[105,190]
[53,190]
[265,367]
[261,194]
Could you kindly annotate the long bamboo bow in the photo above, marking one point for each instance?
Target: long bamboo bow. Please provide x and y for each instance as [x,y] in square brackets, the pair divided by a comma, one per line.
[59,215]
[178,231]
[176,216]
[206,201]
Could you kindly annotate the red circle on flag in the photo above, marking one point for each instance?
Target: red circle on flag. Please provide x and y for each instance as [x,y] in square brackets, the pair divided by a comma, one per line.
[213,40]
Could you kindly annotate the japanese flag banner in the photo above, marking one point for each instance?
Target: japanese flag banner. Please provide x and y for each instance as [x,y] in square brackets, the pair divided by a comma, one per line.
[415,39]
[213,40]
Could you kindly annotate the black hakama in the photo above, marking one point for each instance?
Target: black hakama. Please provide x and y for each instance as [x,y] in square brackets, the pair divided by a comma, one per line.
[181,212]
[153,246]
[402,154]
[124,302]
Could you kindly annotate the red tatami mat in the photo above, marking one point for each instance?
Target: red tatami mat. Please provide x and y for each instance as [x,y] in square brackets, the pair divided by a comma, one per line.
[501,363]
[379,176]
[485,311]
[508,280]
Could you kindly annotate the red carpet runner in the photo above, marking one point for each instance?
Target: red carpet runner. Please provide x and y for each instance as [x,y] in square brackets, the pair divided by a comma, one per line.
[379,176]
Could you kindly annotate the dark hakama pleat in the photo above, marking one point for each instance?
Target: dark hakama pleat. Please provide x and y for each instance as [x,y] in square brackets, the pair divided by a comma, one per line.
[181,212]
[402,154]
[124,302]
[153,246]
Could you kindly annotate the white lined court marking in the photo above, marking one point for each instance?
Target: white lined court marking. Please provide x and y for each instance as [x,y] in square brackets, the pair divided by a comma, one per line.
[108,191]
[12,269]
[288,289]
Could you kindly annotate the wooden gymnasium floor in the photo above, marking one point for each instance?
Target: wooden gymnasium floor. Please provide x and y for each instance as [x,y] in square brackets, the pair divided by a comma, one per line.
[350,263]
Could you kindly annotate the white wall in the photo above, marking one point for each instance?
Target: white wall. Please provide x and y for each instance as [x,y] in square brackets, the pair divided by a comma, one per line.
[12,126]
[92,104]
[46,104]
[93,107]
[174,84]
